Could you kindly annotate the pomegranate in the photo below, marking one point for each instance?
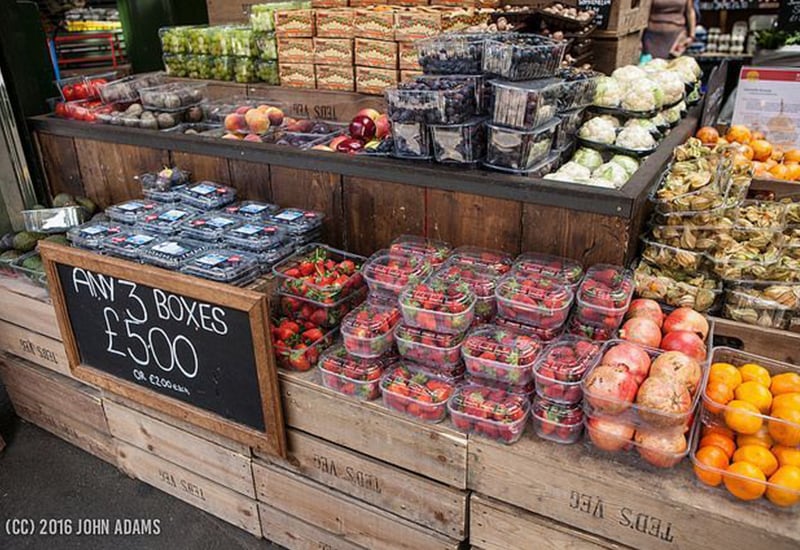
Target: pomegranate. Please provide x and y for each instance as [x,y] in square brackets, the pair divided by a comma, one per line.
[685,318]
[641,331]
[632,356]
[685,342]
[677,366]
[663,402]
[609,434]
[649,309]
[610,389]
[661,448]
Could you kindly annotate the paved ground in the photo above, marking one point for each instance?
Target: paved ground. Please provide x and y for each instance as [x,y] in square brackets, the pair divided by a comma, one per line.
[43,477]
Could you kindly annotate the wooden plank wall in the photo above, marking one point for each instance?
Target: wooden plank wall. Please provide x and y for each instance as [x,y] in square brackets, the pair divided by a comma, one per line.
[362,215]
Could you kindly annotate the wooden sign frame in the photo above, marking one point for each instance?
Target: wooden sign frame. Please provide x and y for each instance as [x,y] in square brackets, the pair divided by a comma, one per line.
[254,304]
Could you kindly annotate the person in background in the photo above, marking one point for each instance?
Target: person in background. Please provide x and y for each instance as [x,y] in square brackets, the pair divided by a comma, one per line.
[670,29]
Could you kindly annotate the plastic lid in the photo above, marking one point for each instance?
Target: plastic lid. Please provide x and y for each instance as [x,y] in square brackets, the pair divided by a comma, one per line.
[394,271]
[500,345]
[544,335]
[489,403]
[534,292]
[494,260]
[256,235]
[557,413]
[91,233]
[207,189]
[566,270]
[252,210]
[131,211]
[428,337]
[568,358]
[527,389]
[319,272]
[439,295]
[171,253]
[209,226]
[222,264]
[481,280]
[336,360]
[128,242]
[167,218]
[437,251]
[608,286]
[370,320]
[407,380]
[298,220]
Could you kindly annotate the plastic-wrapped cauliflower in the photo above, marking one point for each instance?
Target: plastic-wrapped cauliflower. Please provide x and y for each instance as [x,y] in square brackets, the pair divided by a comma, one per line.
[642,95]
[659,121]
[646,123]
[612,119]
[673,115]
[694,95]
[598,130]
[613,172]
[608,92]
[688,68]
[671,84]
[571,172]
[635,138]
[629,73]
[655,65]
[630,164]
[587,157]
[600,182]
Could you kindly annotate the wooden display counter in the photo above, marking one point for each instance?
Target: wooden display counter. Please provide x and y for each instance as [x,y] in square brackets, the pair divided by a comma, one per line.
[367,201]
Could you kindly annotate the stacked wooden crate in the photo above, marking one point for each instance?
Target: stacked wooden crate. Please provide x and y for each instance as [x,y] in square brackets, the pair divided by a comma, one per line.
[620,43]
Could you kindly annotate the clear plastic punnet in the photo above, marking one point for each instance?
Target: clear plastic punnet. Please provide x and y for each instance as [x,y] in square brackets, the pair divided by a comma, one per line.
[428,347]
[489,412]
[500,353]
[604,295]
[566,270]
[131,211]
[209,227]
[495,260]
[562,365]
[388,271]
[172,252]
[519,149]
[522,57]
[406,388]
[557,422]
[224,266]
[433,101]
[299,222]
[207,195]
[534,300]
[252,210]
[127,243]
[350,375]
[324,314]
[368,330]
[436,251]
[167,220]
[481,280]
[524,105]
[173,97]
[91,234]
[256,236]
[438,305]
[321,273]
[452,53]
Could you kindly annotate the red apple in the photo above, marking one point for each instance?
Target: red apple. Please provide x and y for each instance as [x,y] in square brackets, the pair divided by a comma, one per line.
[350,145]
[663,401]
[610,389]
[685,318]
[242,110]
[302,126]
[362,128]
[649,309]
[661,448]
[685,342]
[641,331]
[275,116]
[336,141]
[609,434]
[383,127]
[369,113]
[677,366]
[631,356]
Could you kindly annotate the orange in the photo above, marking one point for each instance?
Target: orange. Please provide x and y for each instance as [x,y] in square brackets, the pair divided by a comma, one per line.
[770,164]
[747,481]
[791,155]
[718,392]
[743,417]
[761,437]
[784,426]
[725,444]
[708,135]
[794,170]
[762,149]
[751,371]
[718,429]
[758,455]
[781,172]
[753,392]
[787,456]
[786,382]
[725,372]
[739,134]
[710,458]
[746,151]
[786,486]
[786,400]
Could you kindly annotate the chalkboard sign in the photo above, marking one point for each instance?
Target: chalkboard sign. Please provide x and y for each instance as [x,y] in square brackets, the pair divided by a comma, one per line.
[602,9]
[789,15]
[151,334]
[715,93]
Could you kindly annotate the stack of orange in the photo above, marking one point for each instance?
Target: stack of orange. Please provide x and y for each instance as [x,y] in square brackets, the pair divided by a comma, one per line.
[767,160]
[760,439]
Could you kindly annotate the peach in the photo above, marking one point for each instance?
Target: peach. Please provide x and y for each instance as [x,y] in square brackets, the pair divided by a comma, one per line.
[275,116]
[257,122]
[383,126]
[235,122]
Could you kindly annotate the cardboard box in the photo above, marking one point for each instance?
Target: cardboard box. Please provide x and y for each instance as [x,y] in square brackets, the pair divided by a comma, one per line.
[408,2]
[335,23]
[408,76]
[374,23]
[460,19]
[408,56]
[298,23]
[417,24]
[366,3]
[295,50]
[333,51]
[335,77]
[381,54]
[328,4]
[297,75]
[370,80]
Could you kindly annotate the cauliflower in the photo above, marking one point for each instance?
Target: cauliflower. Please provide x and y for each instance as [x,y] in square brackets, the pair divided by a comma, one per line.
[629,73]
[646,123]
[600,182]
[611,172]
[655,65]
[673,115]
[608,92]
[587,157]
[635,138]
[642,95]
[687,67]
[630,164]
[571,172]
[598,130]
[659,121]
[612,119]
[672,85]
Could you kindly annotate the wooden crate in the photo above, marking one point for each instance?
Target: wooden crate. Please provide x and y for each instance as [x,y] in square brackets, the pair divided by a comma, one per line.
[223,465]
[405,494]
[27,306]
[497,526]
[65,407]
[230,11]
[626,16]
[619,502]
[435,451]
[776,344]
[295,534]
[37,348]
[610,53]
[189,487]
[357,523]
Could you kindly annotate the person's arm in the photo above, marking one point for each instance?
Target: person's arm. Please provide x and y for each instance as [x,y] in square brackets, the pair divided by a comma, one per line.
[691,19]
